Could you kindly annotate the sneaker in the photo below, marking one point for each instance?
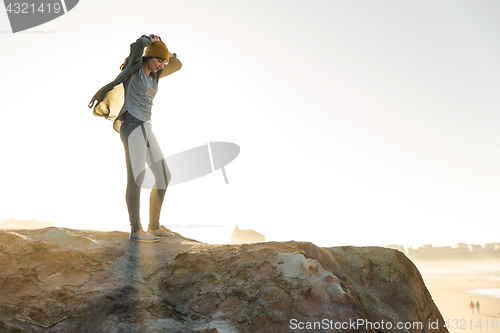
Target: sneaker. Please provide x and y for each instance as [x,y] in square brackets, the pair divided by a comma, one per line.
[161,233]
[146,238]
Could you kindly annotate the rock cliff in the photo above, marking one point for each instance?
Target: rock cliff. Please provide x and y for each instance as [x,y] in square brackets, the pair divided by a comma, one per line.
[63,280]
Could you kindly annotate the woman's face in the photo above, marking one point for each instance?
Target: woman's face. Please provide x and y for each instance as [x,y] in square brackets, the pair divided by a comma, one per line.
[155,64]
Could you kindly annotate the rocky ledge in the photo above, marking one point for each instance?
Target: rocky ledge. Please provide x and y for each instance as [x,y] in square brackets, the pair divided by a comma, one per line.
[64,280]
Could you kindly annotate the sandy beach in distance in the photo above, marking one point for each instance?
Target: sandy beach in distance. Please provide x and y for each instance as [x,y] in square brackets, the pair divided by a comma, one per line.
[449,283]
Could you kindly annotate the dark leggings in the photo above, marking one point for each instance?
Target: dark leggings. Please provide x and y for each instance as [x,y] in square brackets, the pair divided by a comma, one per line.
[141,147]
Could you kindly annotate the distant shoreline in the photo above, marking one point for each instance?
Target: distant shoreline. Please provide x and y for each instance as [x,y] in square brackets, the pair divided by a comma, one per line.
[452,284]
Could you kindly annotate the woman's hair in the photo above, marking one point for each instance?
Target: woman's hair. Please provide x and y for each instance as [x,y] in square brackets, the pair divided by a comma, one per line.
[125,62]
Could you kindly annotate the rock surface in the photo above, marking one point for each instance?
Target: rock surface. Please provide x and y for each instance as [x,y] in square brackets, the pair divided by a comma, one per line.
[63,280]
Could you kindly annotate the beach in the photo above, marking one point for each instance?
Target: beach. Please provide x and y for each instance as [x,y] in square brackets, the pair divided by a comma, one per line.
[454,284]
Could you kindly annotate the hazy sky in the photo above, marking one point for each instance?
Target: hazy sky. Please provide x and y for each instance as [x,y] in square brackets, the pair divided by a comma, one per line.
[359,122]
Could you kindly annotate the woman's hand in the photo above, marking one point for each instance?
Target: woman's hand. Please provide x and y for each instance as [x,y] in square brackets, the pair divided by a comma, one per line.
[155,38]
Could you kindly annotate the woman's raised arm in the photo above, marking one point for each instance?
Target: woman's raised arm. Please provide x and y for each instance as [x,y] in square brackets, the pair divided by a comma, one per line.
[137,49]
[173,66]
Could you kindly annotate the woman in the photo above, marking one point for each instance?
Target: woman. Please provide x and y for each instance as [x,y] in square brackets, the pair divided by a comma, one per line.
[132,93]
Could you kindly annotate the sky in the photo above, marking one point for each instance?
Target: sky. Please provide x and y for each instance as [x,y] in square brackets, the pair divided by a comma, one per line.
[361,123]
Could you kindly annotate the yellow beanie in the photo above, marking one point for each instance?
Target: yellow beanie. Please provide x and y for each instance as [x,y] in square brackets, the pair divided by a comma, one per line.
[157,49]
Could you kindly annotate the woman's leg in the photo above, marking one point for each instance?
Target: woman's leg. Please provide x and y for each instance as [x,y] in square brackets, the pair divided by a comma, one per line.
[135,153]
[160,170]
[155,203]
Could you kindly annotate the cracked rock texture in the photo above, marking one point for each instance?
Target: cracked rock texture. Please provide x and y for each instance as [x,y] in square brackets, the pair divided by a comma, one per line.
[63,280]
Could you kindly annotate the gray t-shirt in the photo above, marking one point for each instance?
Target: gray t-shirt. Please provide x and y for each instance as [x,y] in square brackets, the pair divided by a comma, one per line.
[139,96]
